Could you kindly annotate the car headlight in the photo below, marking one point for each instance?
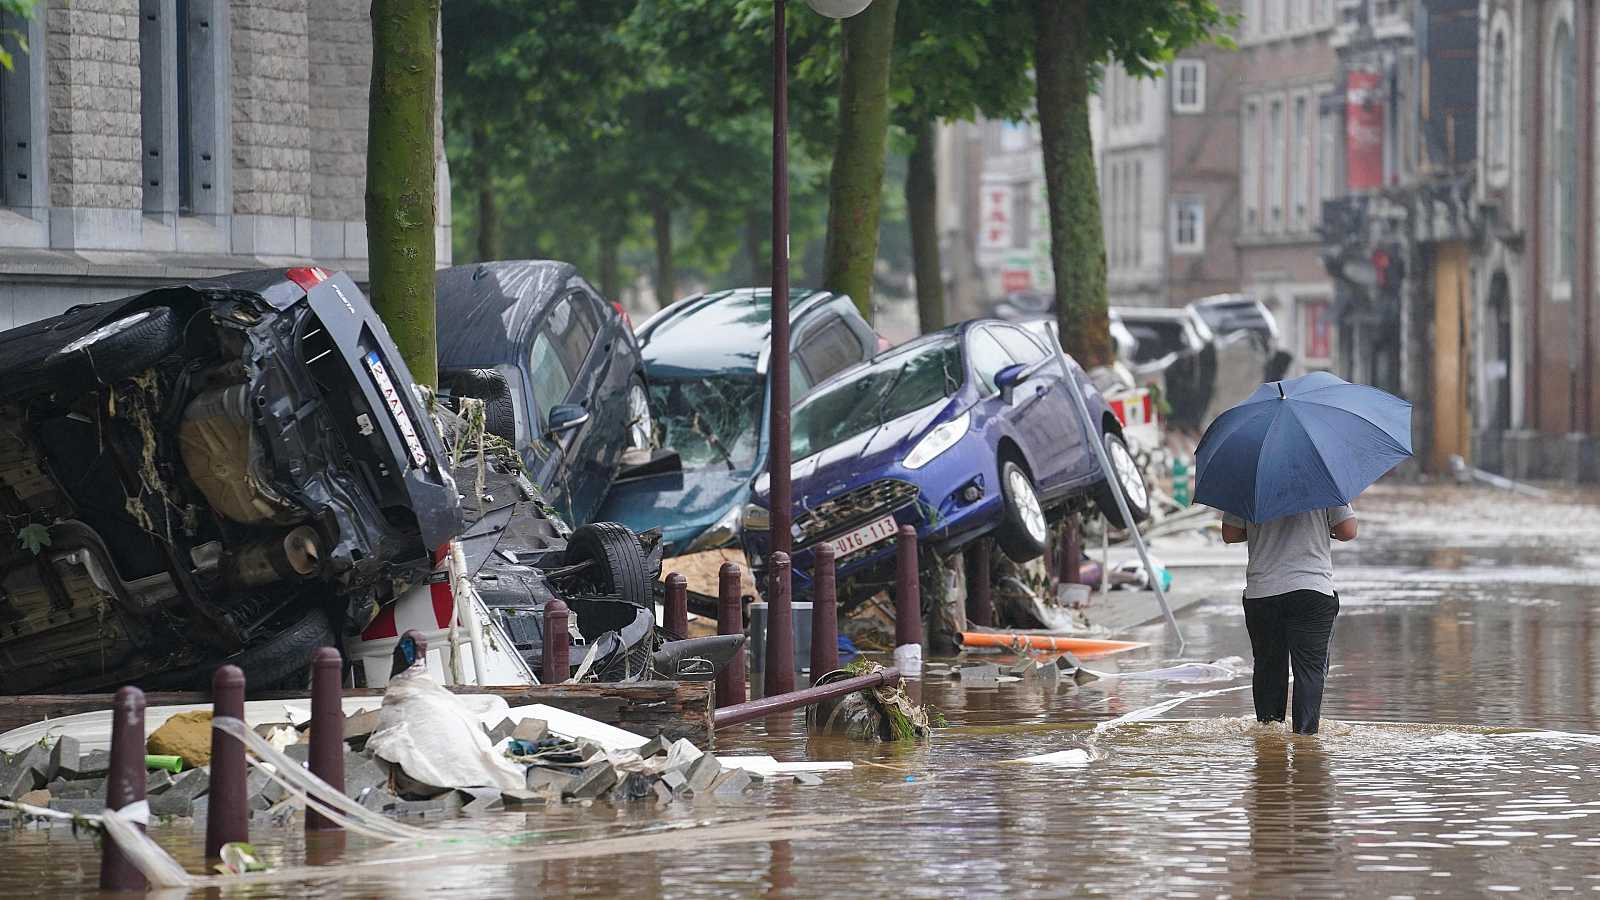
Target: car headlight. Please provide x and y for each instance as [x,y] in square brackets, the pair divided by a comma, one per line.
[720,534]
[756,518]
[937,441]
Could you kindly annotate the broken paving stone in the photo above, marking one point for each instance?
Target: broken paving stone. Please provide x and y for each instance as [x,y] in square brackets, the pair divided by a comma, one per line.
[172,806]
[39,797]
[65,754]
[24,772]
[300,753]
[1049,675]
[363,773]
[502,731]
[984,673]
[531,730]
[447,803]
[633,786]
[595,780]
[379,799]
[156,782]
[1084,676]
[702,773]
[361,725]
[731,783]
[521,799]
[93,764]
[1066,661]
[663,793]
[674,780]
[561,781]
[87,807]
[1022,668]
[88,787]
[807,779]
[190,784]
[656,746]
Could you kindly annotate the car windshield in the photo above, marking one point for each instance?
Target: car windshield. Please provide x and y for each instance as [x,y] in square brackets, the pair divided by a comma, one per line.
[710,420]
[887,388]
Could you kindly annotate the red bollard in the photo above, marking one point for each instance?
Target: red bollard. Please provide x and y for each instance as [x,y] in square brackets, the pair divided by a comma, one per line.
[557,641]
[228,812]
[677,607]
[124,786]
[327,728]
[1071,558]
[780,629]
[730,620]
[907,590]
[980,597]
[824,614]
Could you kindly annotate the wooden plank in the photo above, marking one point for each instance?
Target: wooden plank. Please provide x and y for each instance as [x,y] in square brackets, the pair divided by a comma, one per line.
[672,709]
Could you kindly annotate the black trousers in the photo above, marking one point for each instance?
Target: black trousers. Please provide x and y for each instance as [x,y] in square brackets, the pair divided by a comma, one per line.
[1292,628]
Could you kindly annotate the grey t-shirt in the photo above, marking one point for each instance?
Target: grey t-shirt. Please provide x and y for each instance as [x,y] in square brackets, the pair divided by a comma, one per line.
[1294,553]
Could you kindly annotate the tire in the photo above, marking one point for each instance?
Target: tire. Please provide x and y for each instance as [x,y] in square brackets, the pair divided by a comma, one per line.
[1023,530]
[619,563]
[1131,476]
[640,426]
[284,660]
[121,348]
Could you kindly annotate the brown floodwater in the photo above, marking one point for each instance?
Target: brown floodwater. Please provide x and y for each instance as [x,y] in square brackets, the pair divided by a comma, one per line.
[1459,756]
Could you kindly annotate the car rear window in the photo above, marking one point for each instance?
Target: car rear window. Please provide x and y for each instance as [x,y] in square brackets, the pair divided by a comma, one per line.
[831,348]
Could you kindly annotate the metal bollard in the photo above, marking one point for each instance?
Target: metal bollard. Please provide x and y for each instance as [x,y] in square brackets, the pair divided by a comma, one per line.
[557,641]
[907,590]
[780,629]
[1071,560]
[980,597]
[677,607]
[730,620]
[327,728]
[228,812]
[124,786]
[824,614]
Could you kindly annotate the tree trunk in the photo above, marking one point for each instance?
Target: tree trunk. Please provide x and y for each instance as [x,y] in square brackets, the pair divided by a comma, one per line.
[610,274]
[756,227]
[855,186]
[488,225]
[666,289]
[922,208]
[1077,243]
[401,165]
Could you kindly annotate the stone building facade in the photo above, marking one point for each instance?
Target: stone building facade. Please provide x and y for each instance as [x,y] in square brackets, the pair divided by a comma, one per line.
[143,141]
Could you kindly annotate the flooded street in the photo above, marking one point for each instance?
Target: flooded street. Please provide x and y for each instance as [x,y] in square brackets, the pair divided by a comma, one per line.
[1459,756]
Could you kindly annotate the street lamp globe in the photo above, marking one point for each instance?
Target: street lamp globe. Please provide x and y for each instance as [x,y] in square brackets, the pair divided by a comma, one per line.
[838,9]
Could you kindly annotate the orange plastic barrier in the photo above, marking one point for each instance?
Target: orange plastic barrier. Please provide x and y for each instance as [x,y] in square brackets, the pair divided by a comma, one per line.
[1082,647]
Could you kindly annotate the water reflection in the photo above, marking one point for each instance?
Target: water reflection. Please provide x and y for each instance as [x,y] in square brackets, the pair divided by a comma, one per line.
[1289,803]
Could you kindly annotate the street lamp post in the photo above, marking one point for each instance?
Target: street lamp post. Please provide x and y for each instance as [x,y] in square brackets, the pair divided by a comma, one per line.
[779,458]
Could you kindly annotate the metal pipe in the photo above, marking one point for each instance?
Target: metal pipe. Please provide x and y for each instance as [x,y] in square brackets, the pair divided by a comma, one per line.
[466,597]
[228,810]
[778,454]
[327,728]
[730,620]
[780,629]
[124,787]
[980,596]
[677,607]
[766,706]
[557,644]
[824,614]
[907,590]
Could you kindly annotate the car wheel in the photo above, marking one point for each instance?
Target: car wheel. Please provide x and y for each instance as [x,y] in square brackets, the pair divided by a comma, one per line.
[118,349]
[1130,477]
[284,659]
[1023,531]
[618,562]
[641,429]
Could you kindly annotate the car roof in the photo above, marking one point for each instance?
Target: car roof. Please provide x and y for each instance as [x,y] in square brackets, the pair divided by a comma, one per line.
[486,309]
[721,331]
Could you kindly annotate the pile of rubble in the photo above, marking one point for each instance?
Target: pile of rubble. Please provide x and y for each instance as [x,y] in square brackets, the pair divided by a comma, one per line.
[63,778]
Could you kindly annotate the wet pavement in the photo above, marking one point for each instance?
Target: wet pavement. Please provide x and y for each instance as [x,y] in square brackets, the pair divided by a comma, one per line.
[1459,757]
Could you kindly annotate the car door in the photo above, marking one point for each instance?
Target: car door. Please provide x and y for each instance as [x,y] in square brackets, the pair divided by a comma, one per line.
[986,357]
[1047,421]
[562,343]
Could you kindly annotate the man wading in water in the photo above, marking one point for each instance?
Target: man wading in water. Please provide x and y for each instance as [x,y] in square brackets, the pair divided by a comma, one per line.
[1290,605]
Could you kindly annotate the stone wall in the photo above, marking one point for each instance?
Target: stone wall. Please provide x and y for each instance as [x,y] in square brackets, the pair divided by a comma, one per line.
[271,108]
[92,74]
[341,73]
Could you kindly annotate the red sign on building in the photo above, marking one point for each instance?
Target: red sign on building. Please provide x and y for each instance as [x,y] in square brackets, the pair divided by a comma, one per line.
[1319,330]
[1363,135]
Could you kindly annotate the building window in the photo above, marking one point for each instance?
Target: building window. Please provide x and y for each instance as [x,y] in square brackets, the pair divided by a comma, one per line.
[1496,115]
[1189,86]
[1252,18]
[1270,17]
[1300,164]
[21,156]
[1324,161]
[1564,159]
[1274,165]
[1297,15]
[1249,167]
[1188,225]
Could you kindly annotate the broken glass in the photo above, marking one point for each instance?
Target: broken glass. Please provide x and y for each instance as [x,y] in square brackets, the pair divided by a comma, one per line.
[712,421]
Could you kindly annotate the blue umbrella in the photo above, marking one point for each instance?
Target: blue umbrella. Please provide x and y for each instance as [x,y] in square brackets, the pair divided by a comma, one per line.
[1306,443]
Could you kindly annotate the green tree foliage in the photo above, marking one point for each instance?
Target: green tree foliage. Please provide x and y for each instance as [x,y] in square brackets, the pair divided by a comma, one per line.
[1073,39]
[14,40]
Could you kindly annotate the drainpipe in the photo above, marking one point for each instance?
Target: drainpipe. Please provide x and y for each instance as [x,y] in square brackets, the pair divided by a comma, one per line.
[1583,291]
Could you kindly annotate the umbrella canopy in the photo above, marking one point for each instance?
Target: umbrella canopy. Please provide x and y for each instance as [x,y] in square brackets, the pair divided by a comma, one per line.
[1306,443]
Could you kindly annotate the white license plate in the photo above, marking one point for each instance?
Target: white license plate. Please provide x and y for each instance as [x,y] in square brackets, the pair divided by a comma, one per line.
[865,536]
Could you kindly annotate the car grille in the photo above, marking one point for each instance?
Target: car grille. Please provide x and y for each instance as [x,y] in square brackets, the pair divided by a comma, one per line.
[853,508]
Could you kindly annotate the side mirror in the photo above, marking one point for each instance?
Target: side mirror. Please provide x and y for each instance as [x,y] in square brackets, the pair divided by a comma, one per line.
[1011,376]
[567,416]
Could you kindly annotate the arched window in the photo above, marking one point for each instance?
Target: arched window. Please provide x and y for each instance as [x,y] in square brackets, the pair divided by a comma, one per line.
[1563,220]
[1496,116]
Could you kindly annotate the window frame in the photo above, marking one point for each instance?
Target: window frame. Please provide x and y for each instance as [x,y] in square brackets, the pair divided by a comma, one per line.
[1300,152]
[1196,245]
[1562,141]
[1197,69]
[986,386]
[1273,170]
[1497,124]
[1250,166]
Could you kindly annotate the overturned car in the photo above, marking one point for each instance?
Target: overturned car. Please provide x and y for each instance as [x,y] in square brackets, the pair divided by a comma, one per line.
[222,470]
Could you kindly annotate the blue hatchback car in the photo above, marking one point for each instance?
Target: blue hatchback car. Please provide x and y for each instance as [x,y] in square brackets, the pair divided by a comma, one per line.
[962,433]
